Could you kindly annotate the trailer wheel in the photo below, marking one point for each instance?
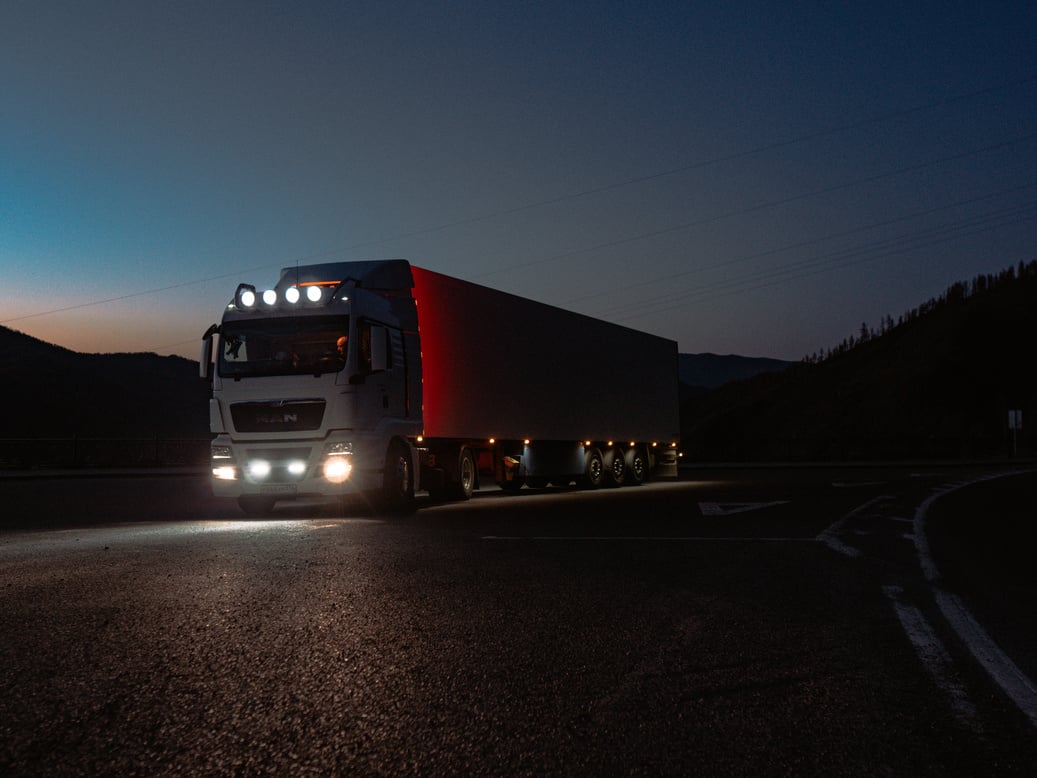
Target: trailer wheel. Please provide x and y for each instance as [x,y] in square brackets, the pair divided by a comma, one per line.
[466,475]
[615,467]
[398,480]
[256,506]
[593,470]
[637,466]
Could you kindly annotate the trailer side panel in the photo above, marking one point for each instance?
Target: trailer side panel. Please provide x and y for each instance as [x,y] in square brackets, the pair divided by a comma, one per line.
[499,365]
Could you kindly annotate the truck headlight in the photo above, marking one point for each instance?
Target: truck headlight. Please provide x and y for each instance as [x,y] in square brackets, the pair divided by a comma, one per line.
[338,462]
[223,463]
[259,469]
[337,469]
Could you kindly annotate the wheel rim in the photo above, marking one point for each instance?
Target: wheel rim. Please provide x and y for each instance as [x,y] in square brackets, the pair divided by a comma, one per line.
[467,473]
[402,476]
[595,469]
[398,489]
[617,466]
[638,467]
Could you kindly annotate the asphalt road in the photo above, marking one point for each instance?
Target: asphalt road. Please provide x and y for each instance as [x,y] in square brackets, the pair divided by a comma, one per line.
[756,622]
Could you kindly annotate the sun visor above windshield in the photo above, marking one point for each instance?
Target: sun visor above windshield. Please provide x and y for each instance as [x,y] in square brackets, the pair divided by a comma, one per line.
[376,275]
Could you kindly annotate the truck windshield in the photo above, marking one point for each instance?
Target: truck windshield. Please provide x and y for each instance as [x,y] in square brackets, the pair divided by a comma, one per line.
[298,346]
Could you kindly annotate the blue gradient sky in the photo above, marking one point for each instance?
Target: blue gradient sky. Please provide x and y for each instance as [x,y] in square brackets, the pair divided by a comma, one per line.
[751,178]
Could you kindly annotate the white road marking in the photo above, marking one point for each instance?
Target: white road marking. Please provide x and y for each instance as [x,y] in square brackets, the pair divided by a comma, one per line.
[731,508]
[1005,673]
[934,656]
[830,535]
[660,538]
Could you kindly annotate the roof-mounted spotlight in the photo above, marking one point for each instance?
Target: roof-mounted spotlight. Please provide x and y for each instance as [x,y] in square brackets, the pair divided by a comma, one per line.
[314,294]
[245,296]
[270,297]
[292,295]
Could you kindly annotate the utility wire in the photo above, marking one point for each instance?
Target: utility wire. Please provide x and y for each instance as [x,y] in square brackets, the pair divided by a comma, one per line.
[823,269]
[826,262]
[805,268]
[923,239]
[718,160]
[612,186]
[803,244]
[764,205]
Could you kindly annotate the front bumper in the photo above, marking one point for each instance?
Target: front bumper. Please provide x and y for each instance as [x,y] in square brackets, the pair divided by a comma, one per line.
[287,469]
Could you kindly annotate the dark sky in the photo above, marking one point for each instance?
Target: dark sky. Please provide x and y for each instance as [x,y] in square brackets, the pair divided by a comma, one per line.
[752,178]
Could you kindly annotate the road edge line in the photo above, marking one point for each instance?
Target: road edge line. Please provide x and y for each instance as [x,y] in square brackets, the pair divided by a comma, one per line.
[1019,688]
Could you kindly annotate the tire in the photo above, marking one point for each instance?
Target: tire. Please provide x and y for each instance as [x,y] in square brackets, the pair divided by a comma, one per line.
[636,466]
[256,506]
[615,467]
[593,470]
[467,475]
[398,480]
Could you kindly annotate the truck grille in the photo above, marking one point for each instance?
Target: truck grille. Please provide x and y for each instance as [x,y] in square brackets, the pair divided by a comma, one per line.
[278,415]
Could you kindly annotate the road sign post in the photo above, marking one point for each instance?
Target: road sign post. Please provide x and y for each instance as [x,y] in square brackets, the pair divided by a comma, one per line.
[1015,423]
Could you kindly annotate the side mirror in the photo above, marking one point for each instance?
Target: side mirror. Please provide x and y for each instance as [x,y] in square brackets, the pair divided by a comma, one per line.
[205,355]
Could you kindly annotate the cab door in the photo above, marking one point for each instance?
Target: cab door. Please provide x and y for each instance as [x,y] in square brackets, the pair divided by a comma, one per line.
[380,377]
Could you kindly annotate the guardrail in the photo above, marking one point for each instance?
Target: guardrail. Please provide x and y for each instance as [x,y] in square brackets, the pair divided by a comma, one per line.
[75,452]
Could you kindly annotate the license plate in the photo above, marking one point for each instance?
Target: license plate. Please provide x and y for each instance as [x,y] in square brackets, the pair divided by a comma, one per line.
[279,489]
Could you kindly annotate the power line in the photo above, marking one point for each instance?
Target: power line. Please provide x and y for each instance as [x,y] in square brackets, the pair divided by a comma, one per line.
[803,244]
[617,185]
[157,290]
[718,160]
[804,268]
[763,206]
[825,263]
[122,297]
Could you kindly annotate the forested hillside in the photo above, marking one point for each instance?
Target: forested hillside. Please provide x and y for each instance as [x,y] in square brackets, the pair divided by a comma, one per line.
[936,382]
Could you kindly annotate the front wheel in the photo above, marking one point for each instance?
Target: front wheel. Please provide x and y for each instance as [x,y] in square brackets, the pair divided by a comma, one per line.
[398,481]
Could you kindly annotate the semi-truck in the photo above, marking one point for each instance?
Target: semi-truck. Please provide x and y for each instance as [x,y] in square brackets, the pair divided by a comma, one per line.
[384,379]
